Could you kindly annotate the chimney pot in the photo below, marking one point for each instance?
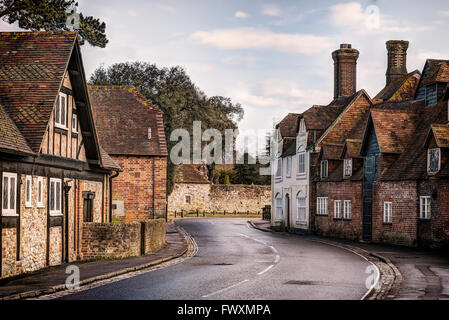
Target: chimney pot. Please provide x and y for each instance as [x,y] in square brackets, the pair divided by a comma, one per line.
[397,60]
[345,71]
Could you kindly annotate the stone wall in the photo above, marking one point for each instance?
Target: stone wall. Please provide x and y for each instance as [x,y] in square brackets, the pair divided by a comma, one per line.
[121,240]
[219,198]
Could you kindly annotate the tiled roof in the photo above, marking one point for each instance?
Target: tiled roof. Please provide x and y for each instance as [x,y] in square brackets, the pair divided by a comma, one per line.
[394,128]
[352,148]
[107,162]
[400,89]
[288,126]
[412,163]
[32,66]
[439,71]
[189,173]
[321,117]
[11,140]
[441,134]
[289,147]
[123,117]
[331,151]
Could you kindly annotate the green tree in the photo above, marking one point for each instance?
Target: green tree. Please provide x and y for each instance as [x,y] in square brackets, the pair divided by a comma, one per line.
[248,172]
[181,101]
[52,15]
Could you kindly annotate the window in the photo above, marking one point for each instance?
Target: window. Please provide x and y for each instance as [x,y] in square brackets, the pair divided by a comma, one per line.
[388,212]
[433,160]
[74,123]
[279,168]
[55,196]
[322,206]
[40,192]
[324,169]
[302,163]
[347,213]
[301,208]
[279,213]
[348,167]
[289,166]
[61,111]
[9,194]
[424,212]
[28,191]
[188,199]
[337,209]
[149,133]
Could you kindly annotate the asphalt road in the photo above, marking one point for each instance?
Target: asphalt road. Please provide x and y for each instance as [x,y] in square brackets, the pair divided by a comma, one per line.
[237,262]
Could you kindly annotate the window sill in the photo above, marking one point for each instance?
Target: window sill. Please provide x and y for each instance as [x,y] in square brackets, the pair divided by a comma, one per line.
[338,219]
[387,223]
[56,214]
[10,215]
[29,206]
[322,215]
[60,126]
[41,206]
[347,220]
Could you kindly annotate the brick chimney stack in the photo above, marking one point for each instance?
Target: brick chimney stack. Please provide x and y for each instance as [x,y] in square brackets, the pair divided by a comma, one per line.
[345,71]
[397,59]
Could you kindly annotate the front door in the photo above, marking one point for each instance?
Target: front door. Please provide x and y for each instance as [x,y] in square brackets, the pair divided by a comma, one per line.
[369,176]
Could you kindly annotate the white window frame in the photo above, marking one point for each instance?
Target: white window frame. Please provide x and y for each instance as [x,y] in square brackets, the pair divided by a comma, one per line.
[58,123]
[337,209]
[75,117]
[279,209]
[301,207]
[428,160]
[40,181]
[347,210]
[29,192]
[425,208]
[8,211]
[322,206]
[55,211]
[279,168]
[302,164]
[324,162]
[289,167]
[388,212]
[347,168]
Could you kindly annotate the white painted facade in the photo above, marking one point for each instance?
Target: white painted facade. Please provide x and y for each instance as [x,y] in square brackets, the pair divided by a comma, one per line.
[290,185]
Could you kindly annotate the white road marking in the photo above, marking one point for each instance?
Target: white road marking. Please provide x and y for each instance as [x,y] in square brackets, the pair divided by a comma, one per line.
[225,289]
[278,258]
[266,270]
[243,235]
[273,249]
[260,241]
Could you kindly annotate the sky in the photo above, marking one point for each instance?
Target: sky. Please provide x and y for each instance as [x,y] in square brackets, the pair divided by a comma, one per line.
[273,57]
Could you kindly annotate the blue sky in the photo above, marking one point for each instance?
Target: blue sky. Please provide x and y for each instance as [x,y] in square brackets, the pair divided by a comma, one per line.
[274,57]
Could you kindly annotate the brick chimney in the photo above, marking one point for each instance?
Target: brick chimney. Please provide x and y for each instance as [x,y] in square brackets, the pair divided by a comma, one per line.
[345,71]
[397,59]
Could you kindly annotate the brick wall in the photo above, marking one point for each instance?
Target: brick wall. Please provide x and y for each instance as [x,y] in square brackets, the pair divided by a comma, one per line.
[345,190]
[404,198]
[121,240]
[134,186]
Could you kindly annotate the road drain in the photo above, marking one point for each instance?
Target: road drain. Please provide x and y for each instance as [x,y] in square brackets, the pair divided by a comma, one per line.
[223,264]
[300,283]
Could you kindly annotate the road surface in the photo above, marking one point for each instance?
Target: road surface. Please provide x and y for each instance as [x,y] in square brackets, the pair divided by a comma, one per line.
[237,262]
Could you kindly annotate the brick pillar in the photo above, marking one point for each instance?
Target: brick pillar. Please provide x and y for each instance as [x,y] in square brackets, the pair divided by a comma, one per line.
[397,59]
[345,71]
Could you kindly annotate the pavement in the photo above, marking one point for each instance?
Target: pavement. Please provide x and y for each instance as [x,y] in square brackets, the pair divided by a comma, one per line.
[237,262]
[425,273]
[51,280]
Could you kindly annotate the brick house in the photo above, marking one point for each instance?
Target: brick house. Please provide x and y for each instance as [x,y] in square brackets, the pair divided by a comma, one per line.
[132,131]
[54,173]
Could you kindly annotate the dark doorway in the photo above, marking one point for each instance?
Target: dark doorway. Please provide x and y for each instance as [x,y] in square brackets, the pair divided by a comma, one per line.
[88,206]
[287,209]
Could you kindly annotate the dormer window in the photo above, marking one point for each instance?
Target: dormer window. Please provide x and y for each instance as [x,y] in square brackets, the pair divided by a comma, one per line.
[61,111]
[324,169]
[433,160]
[347,168]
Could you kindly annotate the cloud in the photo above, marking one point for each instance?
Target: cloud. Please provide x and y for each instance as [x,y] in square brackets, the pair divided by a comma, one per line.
[443,13]
[262,39]
[132,13]
[203,68]
[271,10]
[367,21]
[241,15]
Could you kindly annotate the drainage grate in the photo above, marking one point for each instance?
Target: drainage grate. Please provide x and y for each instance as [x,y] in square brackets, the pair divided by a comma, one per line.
[300,283]
[223,264]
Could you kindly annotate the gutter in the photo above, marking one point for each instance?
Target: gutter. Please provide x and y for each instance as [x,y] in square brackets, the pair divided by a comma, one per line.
[110,193]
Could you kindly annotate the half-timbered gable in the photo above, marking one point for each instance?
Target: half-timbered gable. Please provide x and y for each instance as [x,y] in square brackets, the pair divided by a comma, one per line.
[434,81]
